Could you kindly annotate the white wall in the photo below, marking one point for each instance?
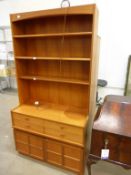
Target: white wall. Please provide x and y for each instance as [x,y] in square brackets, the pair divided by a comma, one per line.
[114,29]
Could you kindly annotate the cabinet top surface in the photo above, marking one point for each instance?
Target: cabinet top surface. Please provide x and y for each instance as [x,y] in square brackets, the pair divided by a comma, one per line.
[83,9]
[53,113]
[115,116]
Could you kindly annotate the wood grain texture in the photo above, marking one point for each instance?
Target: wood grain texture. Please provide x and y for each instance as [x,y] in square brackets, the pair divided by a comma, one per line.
[113,124]
[56,65]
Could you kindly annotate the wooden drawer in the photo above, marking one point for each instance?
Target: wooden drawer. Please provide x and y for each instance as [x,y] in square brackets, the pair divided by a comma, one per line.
[73,152]
[28,123]
[64,132]
[54,146]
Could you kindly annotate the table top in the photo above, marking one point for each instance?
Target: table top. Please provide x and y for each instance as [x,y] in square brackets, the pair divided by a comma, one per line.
[115,116]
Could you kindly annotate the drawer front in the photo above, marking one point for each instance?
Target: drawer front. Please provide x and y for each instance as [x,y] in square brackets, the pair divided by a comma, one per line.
[64,132]
[28,123]
[73,138]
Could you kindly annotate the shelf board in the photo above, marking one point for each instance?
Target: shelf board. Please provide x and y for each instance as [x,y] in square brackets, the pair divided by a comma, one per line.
[55,112]
[52,35]
[55,79]
[51,58]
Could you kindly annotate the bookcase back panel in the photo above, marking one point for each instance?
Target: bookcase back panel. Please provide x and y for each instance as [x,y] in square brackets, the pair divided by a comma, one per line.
[79,47]
[45,25]
[50,47]
[38,68]
[54,68]
[23,88]
[54,47]
[76,23]
[75,70]
[56,93]
[54,24]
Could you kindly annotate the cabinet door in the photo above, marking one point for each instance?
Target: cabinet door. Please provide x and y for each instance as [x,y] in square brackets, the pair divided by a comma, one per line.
[54,152]
[54,146]
[73,158]
[21,139]
[54,158]
[36,147]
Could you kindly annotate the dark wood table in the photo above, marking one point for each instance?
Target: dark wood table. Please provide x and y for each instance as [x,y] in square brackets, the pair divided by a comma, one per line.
[112,131]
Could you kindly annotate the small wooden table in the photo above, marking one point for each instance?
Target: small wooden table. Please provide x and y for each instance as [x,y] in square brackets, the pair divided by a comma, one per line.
[112,130]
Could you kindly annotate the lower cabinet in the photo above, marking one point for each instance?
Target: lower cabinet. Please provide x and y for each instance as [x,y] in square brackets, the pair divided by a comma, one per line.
[54,152]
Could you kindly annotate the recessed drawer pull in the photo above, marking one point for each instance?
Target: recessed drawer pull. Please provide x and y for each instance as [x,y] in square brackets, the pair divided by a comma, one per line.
[106,143]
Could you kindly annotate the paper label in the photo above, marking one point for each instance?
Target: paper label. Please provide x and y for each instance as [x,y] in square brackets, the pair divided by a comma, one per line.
[104,153]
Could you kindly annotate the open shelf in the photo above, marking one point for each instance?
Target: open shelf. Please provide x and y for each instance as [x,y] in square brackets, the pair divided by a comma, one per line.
[52,35]
[51,58]
[55,79]
[54,70]
[69,47]
[54,24]
[74,96]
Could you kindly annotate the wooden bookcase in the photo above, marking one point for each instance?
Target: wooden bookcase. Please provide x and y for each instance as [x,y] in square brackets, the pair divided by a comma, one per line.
[56,65]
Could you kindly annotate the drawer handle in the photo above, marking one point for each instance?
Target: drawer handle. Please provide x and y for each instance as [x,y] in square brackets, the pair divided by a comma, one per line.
[106,143]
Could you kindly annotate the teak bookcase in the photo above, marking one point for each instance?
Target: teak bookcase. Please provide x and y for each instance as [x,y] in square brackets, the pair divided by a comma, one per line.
[56,66]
